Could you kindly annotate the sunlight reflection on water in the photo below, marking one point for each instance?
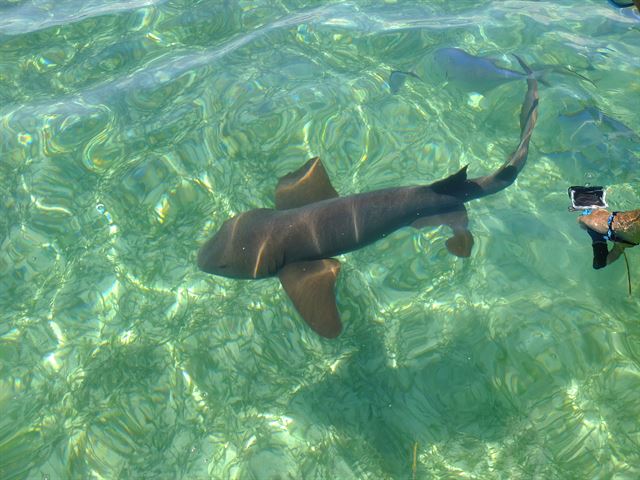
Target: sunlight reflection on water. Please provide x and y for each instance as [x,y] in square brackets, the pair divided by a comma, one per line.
[132,130]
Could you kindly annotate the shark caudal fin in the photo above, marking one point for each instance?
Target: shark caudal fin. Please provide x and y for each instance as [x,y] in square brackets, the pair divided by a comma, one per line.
[508,172]
[464,189]
[458,185]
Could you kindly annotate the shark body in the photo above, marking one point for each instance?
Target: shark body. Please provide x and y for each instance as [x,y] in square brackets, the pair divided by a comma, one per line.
[312,223]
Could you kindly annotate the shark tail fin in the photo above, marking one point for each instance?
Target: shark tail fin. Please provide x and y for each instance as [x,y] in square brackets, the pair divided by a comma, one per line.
[507,173]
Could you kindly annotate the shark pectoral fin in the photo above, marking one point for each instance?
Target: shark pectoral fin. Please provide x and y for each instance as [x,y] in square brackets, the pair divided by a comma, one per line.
[310,285]
[309,184]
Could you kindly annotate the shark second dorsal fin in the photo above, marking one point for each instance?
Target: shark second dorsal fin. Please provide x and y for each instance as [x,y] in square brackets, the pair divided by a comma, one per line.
[457,185]
[309,184]
[310,285]
[452,184]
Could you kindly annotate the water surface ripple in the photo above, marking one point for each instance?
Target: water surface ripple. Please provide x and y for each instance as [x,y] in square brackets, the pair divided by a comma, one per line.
[132,129]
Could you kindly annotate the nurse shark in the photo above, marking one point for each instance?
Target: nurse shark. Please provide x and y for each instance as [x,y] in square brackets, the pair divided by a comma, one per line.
[311,224]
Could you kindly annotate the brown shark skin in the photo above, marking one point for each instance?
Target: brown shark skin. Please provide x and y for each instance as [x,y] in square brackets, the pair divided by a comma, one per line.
[264,242]
[259,243]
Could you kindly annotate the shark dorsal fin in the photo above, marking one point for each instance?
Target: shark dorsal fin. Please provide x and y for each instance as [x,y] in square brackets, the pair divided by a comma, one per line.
[310,285]
[309,184]
[453,184]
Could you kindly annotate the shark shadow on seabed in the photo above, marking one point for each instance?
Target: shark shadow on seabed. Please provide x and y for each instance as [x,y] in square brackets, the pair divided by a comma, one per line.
[375,407]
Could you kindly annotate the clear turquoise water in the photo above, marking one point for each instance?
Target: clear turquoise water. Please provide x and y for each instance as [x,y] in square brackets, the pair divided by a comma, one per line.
[131,130]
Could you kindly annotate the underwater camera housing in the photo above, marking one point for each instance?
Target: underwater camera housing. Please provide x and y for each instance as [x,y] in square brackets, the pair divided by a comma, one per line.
[587,198]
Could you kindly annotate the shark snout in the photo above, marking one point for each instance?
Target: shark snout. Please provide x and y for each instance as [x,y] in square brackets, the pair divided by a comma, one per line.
[209,258]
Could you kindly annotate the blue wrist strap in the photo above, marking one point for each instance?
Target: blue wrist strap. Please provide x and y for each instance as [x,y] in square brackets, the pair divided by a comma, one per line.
[610,235]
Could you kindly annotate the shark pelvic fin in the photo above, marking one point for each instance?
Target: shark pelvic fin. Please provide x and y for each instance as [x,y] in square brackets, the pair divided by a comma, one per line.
[461,243]
[310,285]
[309,184]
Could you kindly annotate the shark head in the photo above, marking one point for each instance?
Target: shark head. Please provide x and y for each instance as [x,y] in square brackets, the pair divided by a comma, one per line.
[238,250]
[212,257]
